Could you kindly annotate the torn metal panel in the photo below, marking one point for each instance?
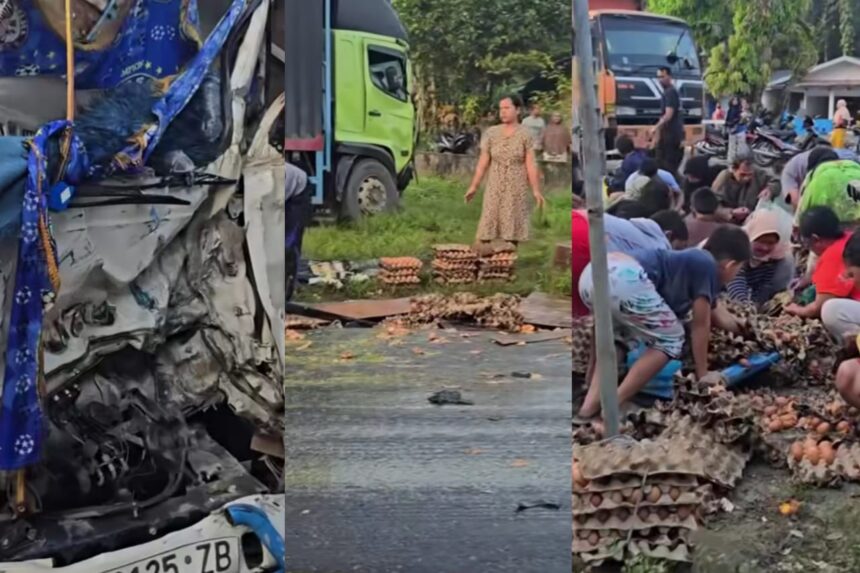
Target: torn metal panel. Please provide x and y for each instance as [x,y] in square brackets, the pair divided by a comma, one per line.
[264,209]
[514,339]
[541,309]
[162,319]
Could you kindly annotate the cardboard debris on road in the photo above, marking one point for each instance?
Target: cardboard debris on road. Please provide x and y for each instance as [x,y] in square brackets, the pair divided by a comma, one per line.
[498,311]
[298,322]
[532,338]
[365,309]
[544,310]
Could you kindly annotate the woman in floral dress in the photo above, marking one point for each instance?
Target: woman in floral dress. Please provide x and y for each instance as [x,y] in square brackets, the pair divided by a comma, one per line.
[506,152]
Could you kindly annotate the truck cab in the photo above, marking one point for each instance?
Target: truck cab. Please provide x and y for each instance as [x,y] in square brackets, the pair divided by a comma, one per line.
[629,48]
[359,154]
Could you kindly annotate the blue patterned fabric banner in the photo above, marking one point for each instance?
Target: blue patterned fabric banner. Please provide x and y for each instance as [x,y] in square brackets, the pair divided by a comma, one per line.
[156,38]
[21,415]
[179,93]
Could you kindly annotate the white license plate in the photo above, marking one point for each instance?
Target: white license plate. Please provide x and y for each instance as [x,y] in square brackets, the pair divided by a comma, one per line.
[209,556]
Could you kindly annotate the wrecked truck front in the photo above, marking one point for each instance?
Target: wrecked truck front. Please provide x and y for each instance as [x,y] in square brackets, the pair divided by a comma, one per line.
[161,349]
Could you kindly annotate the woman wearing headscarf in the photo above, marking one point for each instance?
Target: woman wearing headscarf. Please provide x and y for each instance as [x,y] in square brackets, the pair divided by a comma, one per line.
[841,120]
[771,268]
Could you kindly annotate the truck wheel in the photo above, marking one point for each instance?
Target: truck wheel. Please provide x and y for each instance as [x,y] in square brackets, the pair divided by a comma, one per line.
[370,190]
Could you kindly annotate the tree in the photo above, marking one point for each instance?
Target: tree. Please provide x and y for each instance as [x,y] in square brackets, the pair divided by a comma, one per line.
[747,41]
[836,28]
[465,51]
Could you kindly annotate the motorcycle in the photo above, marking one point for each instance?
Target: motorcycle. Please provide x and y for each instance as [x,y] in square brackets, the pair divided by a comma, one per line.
[714,144]
[767,144]
[810,137]
[459,143]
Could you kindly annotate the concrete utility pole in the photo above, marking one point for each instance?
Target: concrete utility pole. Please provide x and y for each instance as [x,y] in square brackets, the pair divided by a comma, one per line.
[591,156]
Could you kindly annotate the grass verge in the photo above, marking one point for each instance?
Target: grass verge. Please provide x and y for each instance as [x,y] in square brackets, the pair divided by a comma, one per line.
[434,212]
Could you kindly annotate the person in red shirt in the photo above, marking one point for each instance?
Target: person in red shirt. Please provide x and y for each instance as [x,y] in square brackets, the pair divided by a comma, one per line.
[822,234]
[843,317]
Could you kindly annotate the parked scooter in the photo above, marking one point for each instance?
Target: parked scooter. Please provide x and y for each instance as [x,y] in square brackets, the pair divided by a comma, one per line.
[767,144]
[459,143]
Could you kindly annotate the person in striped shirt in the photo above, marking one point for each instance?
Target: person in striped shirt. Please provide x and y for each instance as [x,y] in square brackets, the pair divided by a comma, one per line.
[771,267]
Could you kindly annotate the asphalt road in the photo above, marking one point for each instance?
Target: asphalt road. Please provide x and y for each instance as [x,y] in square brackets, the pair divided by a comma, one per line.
[380,480]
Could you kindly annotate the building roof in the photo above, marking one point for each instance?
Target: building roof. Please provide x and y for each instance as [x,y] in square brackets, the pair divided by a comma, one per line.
[841,71]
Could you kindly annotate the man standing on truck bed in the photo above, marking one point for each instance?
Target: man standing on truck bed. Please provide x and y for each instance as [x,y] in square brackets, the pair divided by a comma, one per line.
[670,128]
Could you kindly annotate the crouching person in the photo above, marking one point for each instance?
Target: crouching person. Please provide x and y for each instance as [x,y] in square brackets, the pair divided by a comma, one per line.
[652,291]
[843,321]
[822,234]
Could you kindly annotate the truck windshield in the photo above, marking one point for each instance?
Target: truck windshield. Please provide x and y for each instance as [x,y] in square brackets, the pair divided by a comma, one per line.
[641,44]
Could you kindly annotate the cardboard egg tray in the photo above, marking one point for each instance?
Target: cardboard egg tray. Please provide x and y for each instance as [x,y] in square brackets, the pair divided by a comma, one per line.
[400,263]
[455,253]
[583,504]
[622,482]
[611,544]
[845,467]
[454,267]
[643,518]
[398,278]
[495,275]
[683,448]
[454,264]
[580,348]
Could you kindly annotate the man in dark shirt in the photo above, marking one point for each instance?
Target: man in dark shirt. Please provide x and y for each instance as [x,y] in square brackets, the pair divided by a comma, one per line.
[670,128]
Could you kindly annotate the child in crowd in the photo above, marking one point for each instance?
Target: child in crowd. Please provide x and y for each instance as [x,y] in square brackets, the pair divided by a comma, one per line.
[664,231]
[822,234]
[846,313]
[703,219]
[652,292]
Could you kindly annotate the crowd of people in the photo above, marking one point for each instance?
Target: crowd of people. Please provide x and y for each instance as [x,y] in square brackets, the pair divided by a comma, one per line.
[551,141]
[679,241]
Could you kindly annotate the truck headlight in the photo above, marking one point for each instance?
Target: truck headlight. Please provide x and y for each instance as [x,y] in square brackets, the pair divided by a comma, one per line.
[621,110]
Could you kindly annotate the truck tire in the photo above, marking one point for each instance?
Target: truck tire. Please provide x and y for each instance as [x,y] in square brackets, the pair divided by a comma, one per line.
[370,189]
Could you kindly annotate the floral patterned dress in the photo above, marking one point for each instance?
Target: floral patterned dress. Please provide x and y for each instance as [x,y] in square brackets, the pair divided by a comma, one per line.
[506,209]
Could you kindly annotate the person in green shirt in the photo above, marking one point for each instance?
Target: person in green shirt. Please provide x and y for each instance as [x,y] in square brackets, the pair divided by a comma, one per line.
[833,183]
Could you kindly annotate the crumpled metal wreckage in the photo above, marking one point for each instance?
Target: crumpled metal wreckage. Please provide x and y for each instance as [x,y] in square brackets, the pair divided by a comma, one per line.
[163,358]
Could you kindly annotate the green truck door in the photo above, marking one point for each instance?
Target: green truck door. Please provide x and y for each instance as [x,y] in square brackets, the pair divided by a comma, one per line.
[390,114]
